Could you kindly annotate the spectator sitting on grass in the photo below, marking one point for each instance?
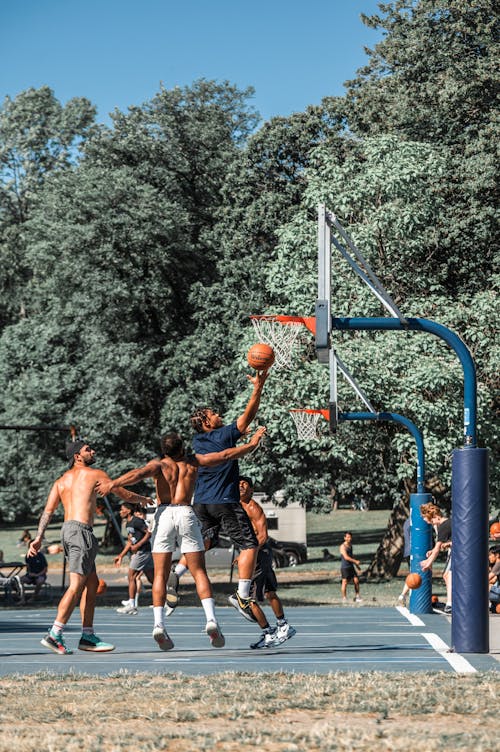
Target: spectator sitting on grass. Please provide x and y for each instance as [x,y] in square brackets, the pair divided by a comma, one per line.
[494,577]
[36,571]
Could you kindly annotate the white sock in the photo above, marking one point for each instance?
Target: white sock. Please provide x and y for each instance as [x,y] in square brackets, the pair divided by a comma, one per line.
[244,588]
[209,608]
[180,569]
[158,616]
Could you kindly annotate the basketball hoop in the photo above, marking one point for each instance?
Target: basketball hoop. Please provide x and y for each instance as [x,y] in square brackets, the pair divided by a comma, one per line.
[280,332]
[306,423]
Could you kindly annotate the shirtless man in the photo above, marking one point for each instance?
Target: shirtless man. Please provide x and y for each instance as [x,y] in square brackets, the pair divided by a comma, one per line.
[264,582]
[177,524]
[76,490]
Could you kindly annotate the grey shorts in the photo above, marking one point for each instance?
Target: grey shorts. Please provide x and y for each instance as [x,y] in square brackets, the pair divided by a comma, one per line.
[80,547]
[141,560]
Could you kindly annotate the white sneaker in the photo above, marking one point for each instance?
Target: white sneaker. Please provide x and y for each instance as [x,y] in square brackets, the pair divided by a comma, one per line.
[162,638]
[215,635]
[168,610]
[128,609]
[267,640]
[358,599]
[285,632]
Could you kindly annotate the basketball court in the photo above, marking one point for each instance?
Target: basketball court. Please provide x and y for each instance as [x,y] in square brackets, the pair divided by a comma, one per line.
[327,640]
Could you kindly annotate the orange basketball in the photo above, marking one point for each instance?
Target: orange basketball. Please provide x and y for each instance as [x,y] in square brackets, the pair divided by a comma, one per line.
[495,529]
[435,599]
[413,581]
[102,587]
[497,608]
[260,356]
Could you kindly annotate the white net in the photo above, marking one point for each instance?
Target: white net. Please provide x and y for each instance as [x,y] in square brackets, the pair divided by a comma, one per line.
[280,336]
[306,424]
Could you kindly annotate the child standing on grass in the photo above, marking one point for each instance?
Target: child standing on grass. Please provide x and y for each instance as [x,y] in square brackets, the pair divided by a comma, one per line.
[347,568]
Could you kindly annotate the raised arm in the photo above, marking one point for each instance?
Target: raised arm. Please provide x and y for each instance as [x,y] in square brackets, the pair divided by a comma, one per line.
[234,453]
[250,411]
[50,507]
[151,470]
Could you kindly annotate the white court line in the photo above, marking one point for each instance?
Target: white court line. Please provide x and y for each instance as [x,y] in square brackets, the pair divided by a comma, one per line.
[457,662]
[412,618]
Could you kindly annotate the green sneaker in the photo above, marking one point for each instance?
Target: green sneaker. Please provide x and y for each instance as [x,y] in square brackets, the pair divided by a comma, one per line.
[94,644]
[56,644]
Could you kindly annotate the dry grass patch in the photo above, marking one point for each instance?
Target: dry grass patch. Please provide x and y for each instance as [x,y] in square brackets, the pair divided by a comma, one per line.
[272,712]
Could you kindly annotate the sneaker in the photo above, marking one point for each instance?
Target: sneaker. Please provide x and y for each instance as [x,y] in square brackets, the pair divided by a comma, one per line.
[215,635]
[56,644]
[285,632]
[402,599]
[162,638]
[128,609]
[267,640]
[357,599]
[172,588]
[243,605]
[168,610]
[447,610]
[93,644]
[125,603]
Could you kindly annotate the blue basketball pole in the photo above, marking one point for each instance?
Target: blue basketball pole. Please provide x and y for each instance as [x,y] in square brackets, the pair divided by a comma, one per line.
[470,617]
[421,533]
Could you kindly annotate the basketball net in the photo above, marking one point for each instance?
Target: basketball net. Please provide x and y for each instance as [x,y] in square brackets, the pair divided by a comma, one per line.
[306,423]
[281,336]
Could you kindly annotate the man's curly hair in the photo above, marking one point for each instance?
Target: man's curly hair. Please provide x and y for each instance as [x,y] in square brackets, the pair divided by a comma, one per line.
[199,417]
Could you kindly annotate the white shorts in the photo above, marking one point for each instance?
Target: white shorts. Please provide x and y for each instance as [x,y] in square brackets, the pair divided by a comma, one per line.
[176,526]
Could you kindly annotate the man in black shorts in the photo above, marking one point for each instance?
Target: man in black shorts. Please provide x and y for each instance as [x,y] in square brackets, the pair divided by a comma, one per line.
[217,494]
[264,583]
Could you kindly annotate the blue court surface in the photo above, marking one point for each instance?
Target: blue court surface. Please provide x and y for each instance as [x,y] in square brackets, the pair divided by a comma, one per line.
[327,640]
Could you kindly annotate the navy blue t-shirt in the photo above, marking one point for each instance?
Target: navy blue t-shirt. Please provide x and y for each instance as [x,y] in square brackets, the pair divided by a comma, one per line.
[137,529]
[219,484]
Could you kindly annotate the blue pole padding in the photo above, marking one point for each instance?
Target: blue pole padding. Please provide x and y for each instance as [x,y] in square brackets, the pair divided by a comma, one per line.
[469,523]
[421,542]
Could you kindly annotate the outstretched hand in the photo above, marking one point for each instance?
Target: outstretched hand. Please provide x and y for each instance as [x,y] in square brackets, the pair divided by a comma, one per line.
[257,437]
[259,378]
[103,487]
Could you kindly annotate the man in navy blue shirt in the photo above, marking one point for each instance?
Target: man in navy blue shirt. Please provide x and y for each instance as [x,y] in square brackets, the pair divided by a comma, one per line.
[217,492]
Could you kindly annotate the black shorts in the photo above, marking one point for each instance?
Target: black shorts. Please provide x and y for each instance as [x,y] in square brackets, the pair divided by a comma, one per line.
[348,573]
[230,520]
[264,580]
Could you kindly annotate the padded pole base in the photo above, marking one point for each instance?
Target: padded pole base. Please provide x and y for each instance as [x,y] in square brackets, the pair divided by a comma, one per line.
[421,542]
[469,490]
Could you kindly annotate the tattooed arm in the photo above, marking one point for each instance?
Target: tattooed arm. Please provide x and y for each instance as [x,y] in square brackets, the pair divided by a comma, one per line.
[50,508]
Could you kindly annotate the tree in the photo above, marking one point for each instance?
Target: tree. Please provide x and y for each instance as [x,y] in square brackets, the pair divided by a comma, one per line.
[38,136]
[114,247]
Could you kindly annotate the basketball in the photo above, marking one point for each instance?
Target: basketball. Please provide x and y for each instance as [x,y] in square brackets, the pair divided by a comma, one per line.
[102,587]
[435,599]
[497,608]
[495,529]
[413,581]
[260,356]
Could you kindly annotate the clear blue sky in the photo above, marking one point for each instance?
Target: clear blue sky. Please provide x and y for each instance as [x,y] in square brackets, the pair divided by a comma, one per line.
[116,52]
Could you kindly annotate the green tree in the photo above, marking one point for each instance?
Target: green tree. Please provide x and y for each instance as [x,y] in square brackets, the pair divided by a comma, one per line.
[114,247]
[38,136]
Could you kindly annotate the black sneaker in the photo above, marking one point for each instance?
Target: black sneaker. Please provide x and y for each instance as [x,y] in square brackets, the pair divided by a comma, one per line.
[172,588]
[243,605]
